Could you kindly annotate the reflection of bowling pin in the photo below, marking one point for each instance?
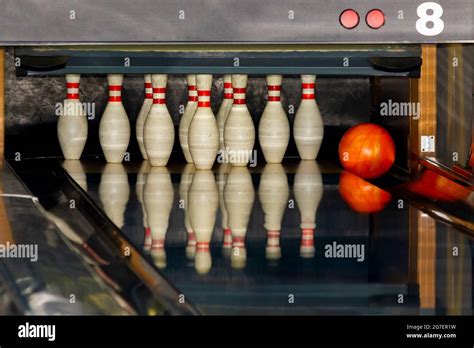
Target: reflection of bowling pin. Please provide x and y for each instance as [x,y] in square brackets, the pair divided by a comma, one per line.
[188,115]
[227,240]
[308,189]
[76,171]
[274,128]
[273,193]
[203,201]
[139,187]
[158,132]
[239,132]
[203,132]
[158,196]
[142,115]
[72,123]
[239,195]
[308,127]
[224,110]
[114,127]
[184,185]
[114,192]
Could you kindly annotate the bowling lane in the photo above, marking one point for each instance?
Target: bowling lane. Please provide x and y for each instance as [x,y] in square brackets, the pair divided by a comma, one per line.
[305,241]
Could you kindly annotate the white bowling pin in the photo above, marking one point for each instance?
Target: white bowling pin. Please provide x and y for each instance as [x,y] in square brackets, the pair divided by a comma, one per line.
[203,132]
[114,127]
[203,203]
[221,180]
[239,131]
[72,123]
[273,193]
[139,187]
[188,115]
[158,132]
[114,192]
[76,171]
[239,196]
[184,186]
[142,115]
[274,128]
[308,190]
[224,110]
[308,127]
[158,196]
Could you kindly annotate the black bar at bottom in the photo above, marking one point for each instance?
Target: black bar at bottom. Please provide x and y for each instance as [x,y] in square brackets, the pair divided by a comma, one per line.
[427,331]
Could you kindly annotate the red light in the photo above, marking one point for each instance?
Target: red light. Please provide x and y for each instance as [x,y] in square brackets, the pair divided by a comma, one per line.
[349,19]
[375,19]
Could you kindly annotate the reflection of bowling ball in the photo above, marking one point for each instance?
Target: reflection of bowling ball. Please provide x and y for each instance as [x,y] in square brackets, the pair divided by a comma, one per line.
[360,195]
[367,150]
[437,187]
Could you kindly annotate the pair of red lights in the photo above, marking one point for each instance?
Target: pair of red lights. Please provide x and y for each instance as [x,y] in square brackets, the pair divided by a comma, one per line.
[349,19]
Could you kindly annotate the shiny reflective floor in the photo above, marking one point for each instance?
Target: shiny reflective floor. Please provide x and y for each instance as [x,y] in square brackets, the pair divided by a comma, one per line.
[299,238]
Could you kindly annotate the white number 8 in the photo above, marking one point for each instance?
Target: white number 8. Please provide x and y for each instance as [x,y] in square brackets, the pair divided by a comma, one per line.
[425,18]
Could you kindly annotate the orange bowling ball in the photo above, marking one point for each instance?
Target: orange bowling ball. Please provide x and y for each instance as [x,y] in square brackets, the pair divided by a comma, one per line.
[362,196]
[367,150]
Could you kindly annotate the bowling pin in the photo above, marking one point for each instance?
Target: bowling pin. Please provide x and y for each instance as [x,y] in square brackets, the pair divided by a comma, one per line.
[72,123]
[273,193]
[308,190]
[142,115]
[139,187]
[203,203]
[76,171]
[239,196]
[114,192]
[203,132]
[224,110]
[158,196]
[308,127]
[239,132]
[221,180]
[114,127]
[158,132]
[274,128]
[188,115]
[184,186]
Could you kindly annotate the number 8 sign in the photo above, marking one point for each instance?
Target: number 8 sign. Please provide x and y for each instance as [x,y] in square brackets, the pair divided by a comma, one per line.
[429,21]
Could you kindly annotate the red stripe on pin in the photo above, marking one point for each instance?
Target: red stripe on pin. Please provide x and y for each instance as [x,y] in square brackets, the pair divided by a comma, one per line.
[159,90]
[307,96]
[228,96]
[72,85]
[115,98]
[204,104]
[308,85]
[274,88]
[202,246]
[239,101]
[159,101]
[191,88]
[115,88]
[239,90]
[149,96]
[192,98]
[238,239]
[72,96]
[227,85]
[148,85]
[204,93]
[270,98]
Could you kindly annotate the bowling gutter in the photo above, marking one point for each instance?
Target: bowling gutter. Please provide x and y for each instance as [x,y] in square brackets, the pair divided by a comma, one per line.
[84,251]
